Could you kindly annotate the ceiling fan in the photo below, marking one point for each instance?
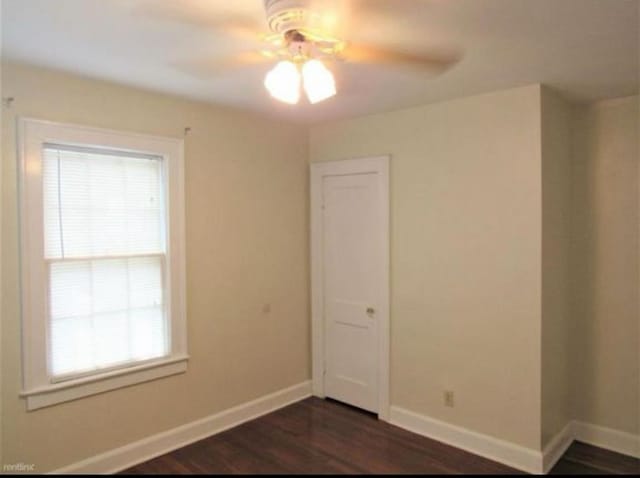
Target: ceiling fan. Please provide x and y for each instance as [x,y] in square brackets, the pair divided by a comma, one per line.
[306,35]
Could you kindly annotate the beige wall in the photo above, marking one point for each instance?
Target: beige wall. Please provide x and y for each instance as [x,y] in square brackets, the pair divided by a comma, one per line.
[465,255]
[1,291]
[556,224]
[483,203]
[604,258]
[246,229]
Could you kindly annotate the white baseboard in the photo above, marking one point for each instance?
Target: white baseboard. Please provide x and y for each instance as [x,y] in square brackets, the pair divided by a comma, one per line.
[614,440]
[516,456]
[510,454]
[557,447]
[164,442]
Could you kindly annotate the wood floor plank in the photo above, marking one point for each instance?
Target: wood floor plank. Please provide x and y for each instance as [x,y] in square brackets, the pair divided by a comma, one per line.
[581,458]
[317,436]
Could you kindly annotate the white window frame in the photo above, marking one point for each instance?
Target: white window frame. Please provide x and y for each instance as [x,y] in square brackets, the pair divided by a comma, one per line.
[38,387]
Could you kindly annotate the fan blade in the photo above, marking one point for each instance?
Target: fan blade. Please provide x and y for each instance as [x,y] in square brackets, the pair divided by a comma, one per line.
[330,18]
[203,14]
[206,69]
[387,9]
[439,61]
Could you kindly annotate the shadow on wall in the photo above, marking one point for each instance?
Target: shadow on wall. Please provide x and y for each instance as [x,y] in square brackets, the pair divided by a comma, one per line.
[604,264]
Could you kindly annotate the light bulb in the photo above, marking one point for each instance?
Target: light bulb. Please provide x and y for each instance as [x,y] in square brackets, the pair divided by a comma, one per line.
[283,82]
[318,81]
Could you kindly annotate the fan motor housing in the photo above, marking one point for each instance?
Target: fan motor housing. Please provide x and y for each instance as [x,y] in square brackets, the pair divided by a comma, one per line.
[286,15]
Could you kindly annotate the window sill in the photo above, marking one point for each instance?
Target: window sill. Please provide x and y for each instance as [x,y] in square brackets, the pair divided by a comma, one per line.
[82,387]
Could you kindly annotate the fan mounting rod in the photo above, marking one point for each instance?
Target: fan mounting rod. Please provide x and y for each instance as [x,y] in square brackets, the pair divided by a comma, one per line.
[294,36]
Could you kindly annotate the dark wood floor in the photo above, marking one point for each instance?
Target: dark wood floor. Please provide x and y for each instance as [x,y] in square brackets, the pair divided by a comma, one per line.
[583,459]
[322,436]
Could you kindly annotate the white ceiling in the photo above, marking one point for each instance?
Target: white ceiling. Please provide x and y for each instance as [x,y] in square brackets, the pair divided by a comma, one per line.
[587,49]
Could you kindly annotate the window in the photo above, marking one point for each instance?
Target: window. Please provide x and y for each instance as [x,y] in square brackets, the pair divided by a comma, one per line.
[102,258]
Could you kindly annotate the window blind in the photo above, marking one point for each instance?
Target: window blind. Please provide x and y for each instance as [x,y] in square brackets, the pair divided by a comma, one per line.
[105,248]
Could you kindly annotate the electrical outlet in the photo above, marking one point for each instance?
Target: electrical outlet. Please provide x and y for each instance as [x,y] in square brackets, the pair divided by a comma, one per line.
[448,398]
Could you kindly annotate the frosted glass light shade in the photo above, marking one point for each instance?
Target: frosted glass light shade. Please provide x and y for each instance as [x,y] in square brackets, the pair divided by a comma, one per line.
[283,82]
[319,83]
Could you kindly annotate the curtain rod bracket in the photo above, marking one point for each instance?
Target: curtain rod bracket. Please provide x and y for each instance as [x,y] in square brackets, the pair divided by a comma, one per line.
[8,101]
[187,130]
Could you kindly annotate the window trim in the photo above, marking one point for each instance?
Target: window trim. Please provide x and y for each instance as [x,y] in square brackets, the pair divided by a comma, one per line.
[38,389]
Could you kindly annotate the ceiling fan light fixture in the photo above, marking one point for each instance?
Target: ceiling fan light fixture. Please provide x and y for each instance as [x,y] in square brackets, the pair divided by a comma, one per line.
[283,82]
[319,83]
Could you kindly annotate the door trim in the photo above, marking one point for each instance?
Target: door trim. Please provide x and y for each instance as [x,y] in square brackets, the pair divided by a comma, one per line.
[380,166]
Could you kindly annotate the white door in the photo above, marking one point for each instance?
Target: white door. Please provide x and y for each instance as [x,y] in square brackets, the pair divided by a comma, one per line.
[353,233]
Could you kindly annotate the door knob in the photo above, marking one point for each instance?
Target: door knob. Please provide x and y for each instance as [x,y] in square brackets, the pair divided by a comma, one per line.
[371,311]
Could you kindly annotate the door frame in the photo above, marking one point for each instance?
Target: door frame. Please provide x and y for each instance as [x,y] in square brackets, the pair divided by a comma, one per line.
[380,166]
